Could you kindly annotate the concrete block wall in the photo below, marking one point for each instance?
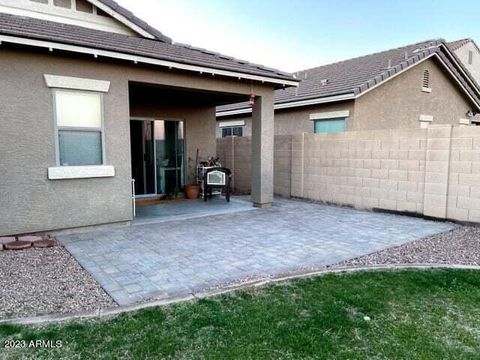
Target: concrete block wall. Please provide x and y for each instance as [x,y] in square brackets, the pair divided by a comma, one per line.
[235,153]
[366,169]
[433,171]
[282,165]
[463,198]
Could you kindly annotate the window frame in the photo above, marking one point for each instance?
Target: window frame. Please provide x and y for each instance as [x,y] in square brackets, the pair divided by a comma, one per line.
[344,119]
[231,128]
[58,128]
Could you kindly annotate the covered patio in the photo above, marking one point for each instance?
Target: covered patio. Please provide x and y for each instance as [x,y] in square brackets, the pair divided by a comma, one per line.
[172,130]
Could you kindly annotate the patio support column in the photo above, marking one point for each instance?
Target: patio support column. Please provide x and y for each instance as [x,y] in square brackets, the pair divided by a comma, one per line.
[262,151]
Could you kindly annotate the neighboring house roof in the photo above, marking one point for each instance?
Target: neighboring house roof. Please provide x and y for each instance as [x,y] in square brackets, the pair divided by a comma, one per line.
[53,35]
[457,44]
[113,5]
[352,78]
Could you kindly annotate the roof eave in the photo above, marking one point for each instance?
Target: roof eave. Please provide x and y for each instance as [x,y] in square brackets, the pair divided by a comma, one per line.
[292,104]
[277,81]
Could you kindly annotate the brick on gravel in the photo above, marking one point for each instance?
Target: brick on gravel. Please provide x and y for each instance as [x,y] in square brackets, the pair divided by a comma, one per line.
[5,240]
[30,238]
[18,245]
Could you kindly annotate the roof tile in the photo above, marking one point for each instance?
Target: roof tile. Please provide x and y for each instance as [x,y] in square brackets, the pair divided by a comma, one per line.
[353,76]
[75,35]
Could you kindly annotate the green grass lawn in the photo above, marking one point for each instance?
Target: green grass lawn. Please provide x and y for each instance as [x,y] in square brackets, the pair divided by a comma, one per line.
[414,315]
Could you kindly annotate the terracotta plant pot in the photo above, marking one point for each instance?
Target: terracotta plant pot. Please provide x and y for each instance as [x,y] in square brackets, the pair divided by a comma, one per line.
[192,191]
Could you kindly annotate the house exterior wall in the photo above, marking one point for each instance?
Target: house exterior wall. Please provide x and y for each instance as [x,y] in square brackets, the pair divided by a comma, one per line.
[294,120]
[398,103]
[463,55]
[29,201]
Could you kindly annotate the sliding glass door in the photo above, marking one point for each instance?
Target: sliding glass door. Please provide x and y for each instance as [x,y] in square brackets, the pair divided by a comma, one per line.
[158,157]
[169,142]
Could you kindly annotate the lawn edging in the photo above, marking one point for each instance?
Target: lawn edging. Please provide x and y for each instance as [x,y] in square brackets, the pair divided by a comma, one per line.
[110,312]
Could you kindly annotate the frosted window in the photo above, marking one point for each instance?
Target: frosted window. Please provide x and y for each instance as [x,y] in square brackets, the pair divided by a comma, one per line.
[329,126]
[79,109]
[80,147]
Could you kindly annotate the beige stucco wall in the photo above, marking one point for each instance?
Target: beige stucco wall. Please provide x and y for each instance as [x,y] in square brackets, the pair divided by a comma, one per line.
[29,201]
[398,103]
[474,67]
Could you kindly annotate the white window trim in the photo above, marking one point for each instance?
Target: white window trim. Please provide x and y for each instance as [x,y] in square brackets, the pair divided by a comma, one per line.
[80,172]
[224,124]
[330,115]
[75,83]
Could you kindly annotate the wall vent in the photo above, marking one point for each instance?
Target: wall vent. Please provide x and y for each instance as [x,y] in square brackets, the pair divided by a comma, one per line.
[426,79]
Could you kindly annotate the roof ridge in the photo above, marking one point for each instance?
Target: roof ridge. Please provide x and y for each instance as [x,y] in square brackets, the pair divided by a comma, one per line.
[371,54]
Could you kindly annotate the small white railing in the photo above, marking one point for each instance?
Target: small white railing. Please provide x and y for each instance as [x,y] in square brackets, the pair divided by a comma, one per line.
[133,199]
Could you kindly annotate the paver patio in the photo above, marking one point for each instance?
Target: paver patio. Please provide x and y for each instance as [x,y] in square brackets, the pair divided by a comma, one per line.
[178,257]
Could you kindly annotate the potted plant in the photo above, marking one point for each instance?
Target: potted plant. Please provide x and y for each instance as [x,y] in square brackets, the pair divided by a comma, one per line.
[193,190]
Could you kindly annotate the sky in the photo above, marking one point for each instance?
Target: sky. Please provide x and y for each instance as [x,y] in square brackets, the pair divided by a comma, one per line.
[295,35]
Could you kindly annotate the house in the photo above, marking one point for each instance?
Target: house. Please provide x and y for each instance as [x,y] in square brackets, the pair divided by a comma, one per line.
[92,96]
[468,53]
[431,82]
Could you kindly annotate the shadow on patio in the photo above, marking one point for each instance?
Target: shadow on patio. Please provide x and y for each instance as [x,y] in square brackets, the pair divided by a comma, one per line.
[183,209]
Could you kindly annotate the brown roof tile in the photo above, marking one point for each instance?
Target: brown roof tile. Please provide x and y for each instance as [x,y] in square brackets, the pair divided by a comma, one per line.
[31,28]
[353,76]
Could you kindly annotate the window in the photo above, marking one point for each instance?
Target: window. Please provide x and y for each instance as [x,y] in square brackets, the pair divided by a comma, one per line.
[329,125]
[100,12]
[84,6]
[63,3]
[232,131]
[79,125]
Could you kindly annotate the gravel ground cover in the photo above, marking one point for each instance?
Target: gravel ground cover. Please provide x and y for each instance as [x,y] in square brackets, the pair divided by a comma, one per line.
[460,246]
[43,281]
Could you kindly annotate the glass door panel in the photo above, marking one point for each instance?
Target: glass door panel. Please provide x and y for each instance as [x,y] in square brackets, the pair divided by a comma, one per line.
[169,143]
[143,157]
[149,157]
